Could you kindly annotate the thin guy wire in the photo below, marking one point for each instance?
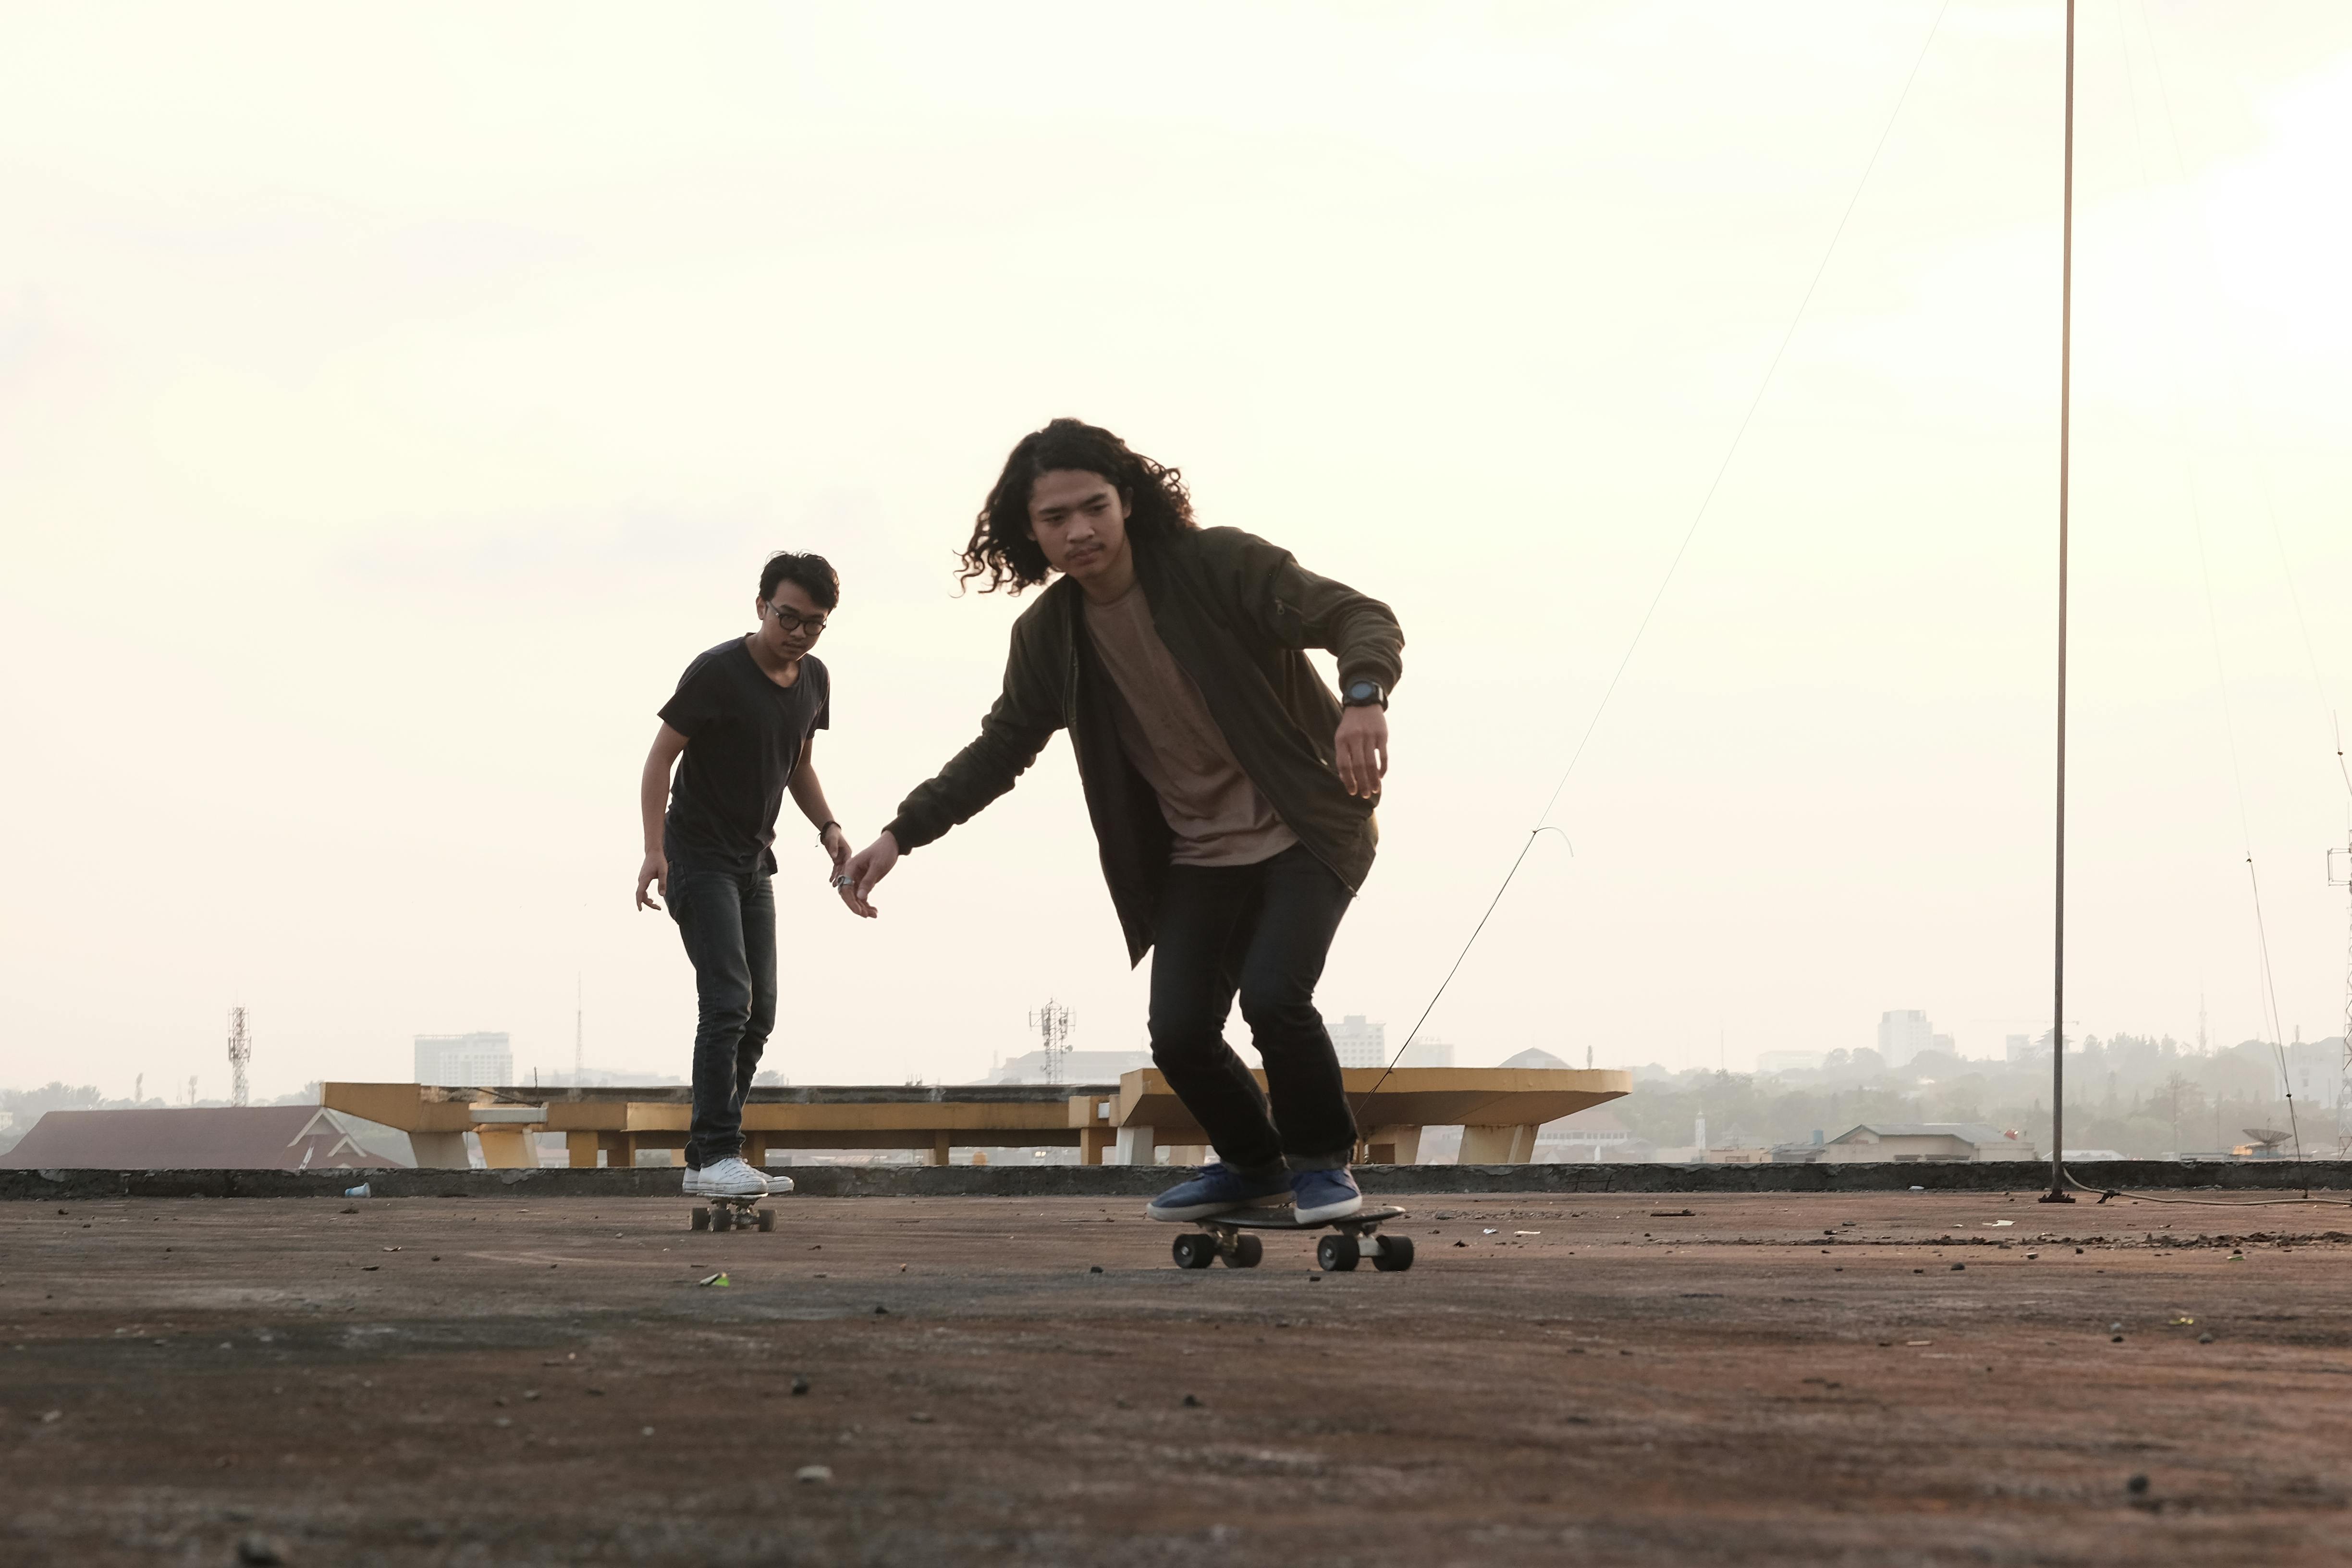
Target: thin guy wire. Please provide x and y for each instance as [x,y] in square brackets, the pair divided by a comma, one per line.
[1688,534]
[2214,624]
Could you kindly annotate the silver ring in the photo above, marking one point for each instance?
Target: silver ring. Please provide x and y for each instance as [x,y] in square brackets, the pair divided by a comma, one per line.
[842,881]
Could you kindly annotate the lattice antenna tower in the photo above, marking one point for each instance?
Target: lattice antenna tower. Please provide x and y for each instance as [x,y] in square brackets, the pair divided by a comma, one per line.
[1052,1023]
[2340,875]
[240,1056]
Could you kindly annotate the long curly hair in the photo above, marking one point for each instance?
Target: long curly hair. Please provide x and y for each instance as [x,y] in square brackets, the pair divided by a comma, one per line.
[1001,549]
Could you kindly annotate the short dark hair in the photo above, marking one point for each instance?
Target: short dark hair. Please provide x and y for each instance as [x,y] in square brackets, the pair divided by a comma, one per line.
[1001,549]
[814,574]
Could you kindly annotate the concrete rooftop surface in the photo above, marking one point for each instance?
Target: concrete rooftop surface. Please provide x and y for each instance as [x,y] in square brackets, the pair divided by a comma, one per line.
[1919,1378]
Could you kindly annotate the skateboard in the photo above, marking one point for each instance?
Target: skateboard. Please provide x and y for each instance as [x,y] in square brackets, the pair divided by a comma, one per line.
[1352,1240]
[743,1212]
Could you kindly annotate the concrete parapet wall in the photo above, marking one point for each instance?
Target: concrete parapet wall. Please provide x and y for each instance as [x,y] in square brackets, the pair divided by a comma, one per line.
[1117,1180]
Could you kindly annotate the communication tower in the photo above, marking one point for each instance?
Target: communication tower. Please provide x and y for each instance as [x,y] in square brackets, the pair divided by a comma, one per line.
[1052,1023]
[240,1054]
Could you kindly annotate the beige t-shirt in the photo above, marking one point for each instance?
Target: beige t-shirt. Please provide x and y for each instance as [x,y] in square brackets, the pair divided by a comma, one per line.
[1218,815]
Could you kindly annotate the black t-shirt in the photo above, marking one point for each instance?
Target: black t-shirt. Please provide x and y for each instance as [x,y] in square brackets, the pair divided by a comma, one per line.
[744,737]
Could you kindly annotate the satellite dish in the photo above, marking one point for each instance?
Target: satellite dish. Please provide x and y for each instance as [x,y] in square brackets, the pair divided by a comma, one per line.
[2268,1134]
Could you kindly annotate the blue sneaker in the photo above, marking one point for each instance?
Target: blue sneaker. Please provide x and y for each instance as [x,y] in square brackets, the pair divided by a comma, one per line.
[1322,1195]
[1215,1189]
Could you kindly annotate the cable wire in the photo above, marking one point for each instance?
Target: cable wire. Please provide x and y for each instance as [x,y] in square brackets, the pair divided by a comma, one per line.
[1706,501]
[2269,994]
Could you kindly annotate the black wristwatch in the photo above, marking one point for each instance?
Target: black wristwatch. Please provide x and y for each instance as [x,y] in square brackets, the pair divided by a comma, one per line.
[1365,694]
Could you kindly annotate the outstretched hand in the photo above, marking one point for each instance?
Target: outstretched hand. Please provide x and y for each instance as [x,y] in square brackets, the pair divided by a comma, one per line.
[837,849]
[858,879]
[1361,750]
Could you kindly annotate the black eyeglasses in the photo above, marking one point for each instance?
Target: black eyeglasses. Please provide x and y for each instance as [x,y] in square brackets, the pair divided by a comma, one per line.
[788,623]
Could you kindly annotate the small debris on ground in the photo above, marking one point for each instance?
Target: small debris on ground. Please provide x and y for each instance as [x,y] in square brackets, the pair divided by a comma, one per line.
[814,1473]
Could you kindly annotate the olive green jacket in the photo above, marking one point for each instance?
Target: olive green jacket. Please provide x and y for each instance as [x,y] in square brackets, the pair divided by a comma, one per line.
[1236,614]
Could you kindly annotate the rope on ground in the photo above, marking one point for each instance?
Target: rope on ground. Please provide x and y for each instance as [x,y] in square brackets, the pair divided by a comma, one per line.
[2105,1193]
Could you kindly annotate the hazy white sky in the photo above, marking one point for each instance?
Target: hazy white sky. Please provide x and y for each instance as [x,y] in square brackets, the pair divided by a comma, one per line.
[392,400]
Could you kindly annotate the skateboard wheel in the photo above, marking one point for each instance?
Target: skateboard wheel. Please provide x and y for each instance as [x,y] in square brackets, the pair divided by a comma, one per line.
[1248,1253]
[1195,1249]
[1338,1254]
[702,1220]
[721,1217]
[1395,1255]
[767,1219]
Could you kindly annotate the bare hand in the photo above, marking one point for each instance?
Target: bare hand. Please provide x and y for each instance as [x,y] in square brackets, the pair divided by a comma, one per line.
[654,872]
[837,849]
[857,880]
[1362,750]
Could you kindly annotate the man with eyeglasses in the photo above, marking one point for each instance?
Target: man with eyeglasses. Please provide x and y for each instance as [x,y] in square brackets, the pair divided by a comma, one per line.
[744,716]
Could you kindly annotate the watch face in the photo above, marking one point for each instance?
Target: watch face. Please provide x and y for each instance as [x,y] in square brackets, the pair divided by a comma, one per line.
[1363,691]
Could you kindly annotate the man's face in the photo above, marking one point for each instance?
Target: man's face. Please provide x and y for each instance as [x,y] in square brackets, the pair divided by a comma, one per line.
[789,621]
[1079,519]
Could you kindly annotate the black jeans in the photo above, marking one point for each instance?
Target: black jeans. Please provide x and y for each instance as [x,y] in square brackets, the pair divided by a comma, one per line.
[729,922]
[1262,931]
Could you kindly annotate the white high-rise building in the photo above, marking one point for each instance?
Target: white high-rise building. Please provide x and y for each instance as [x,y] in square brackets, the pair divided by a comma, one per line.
[1359,1044]
[1904,1034]
[1366,1045]
[465,1061]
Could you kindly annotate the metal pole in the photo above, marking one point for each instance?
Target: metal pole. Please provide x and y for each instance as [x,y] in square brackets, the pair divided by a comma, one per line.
[2058,1193]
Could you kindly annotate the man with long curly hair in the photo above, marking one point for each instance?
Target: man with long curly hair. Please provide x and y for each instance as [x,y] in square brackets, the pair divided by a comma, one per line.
[1232,792]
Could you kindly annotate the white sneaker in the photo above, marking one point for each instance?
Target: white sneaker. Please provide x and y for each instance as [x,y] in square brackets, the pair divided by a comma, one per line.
[732,1178]
[693,1180]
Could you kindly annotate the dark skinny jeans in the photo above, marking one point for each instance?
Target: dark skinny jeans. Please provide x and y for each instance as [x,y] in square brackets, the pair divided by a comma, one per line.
[729,922]
[1261,932]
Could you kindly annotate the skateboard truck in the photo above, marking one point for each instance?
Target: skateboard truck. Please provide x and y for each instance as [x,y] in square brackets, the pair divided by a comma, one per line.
[745,1213]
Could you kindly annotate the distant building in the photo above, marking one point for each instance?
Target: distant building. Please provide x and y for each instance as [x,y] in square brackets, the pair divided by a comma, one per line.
[1906,1143]
[1531,1058]
[1359,1044]
[464,1061]
[210,1138]
[1903,1035]
[1789,1061]
[1366,1045]
[1591,1137]
[1078,1067]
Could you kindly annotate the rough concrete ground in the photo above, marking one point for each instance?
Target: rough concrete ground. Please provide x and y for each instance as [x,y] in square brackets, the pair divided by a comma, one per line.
[1868,1379]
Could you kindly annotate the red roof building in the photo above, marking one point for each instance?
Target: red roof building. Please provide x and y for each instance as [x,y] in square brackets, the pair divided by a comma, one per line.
[223,1138]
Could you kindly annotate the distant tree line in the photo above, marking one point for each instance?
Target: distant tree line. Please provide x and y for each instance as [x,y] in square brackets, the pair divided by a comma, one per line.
[2139,1095]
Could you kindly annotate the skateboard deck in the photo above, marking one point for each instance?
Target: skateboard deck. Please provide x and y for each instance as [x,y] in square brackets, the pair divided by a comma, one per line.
[1287,1220]
[1353,1239]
